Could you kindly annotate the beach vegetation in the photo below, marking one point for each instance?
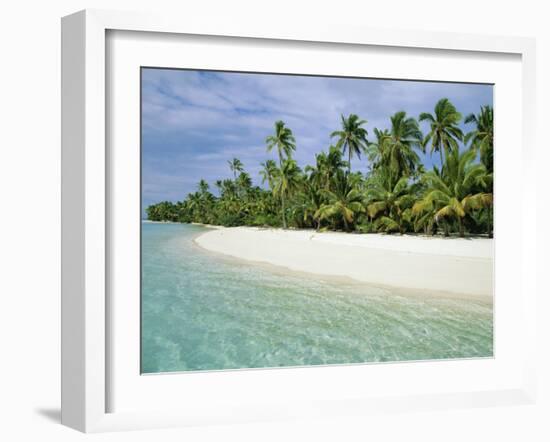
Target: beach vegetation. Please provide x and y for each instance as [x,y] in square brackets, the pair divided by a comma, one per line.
[445,134]
[393,187]
[284,142]
[352,137]
[480,138]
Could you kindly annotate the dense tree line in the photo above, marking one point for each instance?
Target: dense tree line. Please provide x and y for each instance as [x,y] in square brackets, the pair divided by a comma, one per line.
[395,194]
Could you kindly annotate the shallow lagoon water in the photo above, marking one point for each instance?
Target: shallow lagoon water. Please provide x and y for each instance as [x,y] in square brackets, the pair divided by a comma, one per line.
[202,311]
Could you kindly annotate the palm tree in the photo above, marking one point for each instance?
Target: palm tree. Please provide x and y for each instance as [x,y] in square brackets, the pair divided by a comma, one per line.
[203,187]
[204,201]
[244,181]
[352,137]
[390,203]
[343,203]
[268,173]
[236,166]
[375,149]
[456,191]
[326,167]
[444,132]
[481,137]
[285,143]
[282,140]
[194,204]
[398,147]
[306,203]
[287,179]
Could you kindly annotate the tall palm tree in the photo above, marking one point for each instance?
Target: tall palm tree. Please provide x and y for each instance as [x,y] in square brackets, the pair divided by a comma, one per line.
[287,180]
[444,134]
[398,147]
[481,137]
[352,137]
[236,166]
[456,191]
[283,140]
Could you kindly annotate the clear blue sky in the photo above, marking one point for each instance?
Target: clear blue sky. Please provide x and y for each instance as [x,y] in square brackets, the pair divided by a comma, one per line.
[193,122]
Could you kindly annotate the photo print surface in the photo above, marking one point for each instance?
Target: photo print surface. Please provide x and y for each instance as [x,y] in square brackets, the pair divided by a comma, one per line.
[298,220]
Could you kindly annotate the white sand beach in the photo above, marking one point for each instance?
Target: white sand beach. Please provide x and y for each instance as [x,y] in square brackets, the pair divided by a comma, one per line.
[446,265]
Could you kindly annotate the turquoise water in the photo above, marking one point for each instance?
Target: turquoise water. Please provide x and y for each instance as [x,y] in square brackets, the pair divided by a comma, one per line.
[202,311]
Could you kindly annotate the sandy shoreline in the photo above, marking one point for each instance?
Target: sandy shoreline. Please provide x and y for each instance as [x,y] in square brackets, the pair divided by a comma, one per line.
[451,265]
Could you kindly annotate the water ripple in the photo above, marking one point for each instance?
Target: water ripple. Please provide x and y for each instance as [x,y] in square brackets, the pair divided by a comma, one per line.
[204,312]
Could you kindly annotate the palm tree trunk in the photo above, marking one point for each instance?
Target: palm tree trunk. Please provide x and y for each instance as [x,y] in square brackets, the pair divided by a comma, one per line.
[346,228]
[461,227]
[349,160]
[446,228]
[283,209]
[441,156]
[282,192]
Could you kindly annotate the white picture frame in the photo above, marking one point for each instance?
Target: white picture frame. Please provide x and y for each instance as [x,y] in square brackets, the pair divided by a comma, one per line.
[85,209]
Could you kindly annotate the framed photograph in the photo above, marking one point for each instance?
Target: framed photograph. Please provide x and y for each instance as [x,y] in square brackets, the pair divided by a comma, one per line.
[270,223]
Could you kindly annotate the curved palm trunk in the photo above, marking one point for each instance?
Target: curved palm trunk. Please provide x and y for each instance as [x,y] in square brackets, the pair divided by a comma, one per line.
[441,156]
[349,160]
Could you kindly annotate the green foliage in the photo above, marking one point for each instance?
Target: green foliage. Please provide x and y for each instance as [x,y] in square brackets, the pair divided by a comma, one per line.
[390,204]
[458,191]
[444,134]
[481,138]
[394,151]
[352,137]
[283,141]
[163,211]
[343,202]
[395,195]
[236,166]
